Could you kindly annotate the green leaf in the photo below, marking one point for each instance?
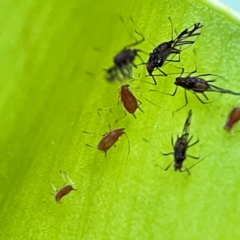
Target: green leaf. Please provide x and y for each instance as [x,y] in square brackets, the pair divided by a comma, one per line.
[52,59]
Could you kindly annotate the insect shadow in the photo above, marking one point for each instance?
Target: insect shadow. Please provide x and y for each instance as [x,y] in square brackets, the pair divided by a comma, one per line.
[109,139]
[166,51]
[181,146]
[59,194]
[124,61]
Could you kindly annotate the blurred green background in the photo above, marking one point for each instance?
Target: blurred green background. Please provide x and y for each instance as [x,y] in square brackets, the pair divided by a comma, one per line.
[52,83]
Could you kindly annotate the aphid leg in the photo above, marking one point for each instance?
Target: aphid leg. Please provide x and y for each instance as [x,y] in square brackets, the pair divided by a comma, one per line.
[139,103]
[88,145]
[149,102]
[186,101]
[185,170]
[175,60]
[168,166]
[192,156]
[54,188]
[137,41]
[108,108]
[170,94]
[166,154]
[199,99]
[172,141]
[125,114]
[192,143]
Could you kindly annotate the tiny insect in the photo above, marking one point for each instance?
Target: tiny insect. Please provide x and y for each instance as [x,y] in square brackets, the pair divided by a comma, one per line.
[197,85]
[124,61]
[233,118]
[180,147]
[109,139]
[160,55]
[129,101]
[65,189]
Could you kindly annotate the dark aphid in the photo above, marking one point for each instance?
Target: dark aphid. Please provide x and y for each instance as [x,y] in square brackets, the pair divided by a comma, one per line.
[180,147]
[162,52]
[233,118]
[109,139]
[124,61]
[196,84]
[129,101]
[64,190]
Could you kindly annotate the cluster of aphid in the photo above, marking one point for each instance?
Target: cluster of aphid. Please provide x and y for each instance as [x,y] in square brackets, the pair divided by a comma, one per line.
[165,52]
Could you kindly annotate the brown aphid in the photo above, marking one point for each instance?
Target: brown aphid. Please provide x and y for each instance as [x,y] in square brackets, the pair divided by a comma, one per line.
[233,118]
[129,101]
[109,139]
[64,190]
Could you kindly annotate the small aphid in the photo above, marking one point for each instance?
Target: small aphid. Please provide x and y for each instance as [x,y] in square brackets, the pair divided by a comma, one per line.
[64,190]
[233,118]
[162,52]
[109,139]
[180,147]
[129,101]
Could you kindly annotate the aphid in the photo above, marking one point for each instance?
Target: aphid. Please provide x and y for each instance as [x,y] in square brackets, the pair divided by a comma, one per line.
[233,118]
[129,101]
[180,147]
[124,61]
[65,189]
[162,52]
[109,139]
[196,85]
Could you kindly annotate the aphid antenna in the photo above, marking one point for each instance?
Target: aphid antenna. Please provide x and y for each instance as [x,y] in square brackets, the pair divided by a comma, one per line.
[125,114]
[149,102]
[187,169]
[203,74]
[130,33]
[128,152]
[157,165]
[107,108]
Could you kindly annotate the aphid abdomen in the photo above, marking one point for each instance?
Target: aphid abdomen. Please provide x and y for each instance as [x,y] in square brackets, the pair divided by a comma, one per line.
[192,83]
[128,99]
[110,139]
[232,119]
[63,192]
